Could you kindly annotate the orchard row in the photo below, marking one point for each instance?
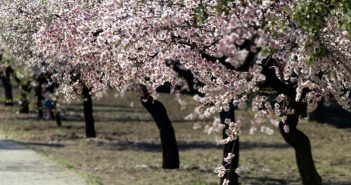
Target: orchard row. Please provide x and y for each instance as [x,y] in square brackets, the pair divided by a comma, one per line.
[283,57]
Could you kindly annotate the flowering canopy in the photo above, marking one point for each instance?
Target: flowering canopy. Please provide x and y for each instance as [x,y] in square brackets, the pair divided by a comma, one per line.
[266,52]
[231,47]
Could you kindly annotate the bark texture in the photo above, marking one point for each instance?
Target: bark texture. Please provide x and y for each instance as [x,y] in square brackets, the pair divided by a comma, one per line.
[88,113]
[300,142]
[170,153]
[231,147]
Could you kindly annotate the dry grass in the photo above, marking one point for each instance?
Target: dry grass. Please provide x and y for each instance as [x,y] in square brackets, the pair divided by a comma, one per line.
[127,149]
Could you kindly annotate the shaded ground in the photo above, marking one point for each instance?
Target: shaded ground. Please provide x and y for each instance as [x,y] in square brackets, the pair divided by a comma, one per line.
[333,114]
[127,150]
[20,165]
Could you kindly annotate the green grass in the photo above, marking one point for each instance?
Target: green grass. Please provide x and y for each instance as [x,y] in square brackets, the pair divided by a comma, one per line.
[93,180]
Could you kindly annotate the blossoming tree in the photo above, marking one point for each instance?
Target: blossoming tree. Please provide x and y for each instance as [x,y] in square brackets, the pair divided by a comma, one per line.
[63,43]
[21,20]
[283,56]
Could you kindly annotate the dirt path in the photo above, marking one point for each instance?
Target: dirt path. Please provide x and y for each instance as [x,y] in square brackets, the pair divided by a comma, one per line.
[22,166]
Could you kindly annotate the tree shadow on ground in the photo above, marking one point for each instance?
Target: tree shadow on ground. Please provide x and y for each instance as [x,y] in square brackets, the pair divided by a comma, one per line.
[156,147]
[80,118]
[337,183]
[124,119]
[104,109]
[276,181]
[78,105]
[6,144]
[332,114]
[51,145]
[268,180]
[14,145]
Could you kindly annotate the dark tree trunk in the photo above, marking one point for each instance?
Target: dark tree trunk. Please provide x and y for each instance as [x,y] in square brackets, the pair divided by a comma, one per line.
[25,90]
[88,113]
[8,91]
[24,106]
[6,80]
[55,114]
[39,94]
[58,119]
[231,147]
[170,154]
[55,111]
[300,142]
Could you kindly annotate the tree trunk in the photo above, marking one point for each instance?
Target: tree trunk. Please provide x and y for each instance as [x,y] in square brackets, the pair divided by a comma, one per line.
[231,147]
[170,154]
[297,139]
[24,106]
[55,111]
[25,90]
[6,80]
[39,94]
[88,113]
[58,119]
[300,142]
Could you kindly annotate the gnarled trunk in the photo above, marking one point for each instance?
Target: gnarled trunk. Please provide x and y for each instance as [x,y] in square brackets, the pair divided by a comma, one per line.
[300,142]
[297,139]
[231,147]
[88,113]
[170,154]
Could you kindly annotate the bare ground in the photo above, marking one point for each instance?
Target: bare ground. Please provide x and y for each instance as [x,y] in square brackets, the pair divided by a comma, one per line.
[20,165]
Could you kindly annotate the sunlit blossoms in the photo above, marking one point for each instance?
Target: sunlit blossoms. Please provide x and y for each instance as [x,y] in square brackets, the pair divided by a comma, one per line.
[221,171]
[229,158]
[224,45]
[225,182]
[272,54]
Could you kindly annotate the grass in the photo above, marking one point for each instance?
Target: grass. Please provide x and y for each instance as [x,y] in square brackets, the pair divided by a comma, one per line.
[127,149]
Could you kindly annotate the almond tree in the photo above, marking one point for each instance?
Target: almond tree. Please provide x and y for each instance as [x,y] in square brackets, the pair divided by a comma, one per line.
[283,56]
[21,20]
[289,49]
